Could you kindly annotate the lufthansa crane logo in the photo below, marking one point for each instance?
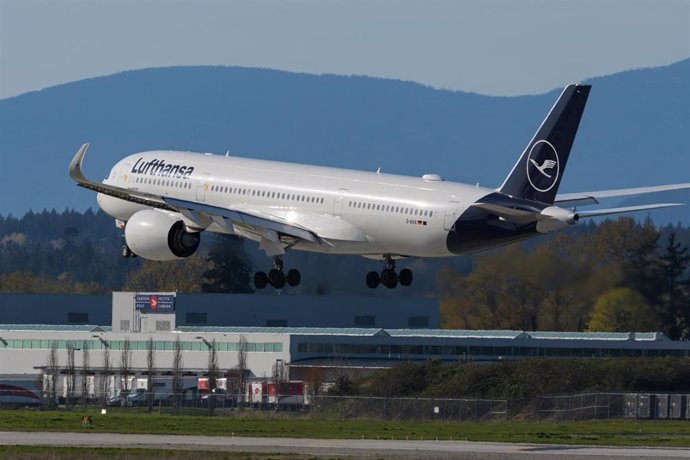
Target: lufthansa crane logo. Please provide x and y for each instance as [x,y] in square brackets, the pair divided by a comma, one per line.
[542,166]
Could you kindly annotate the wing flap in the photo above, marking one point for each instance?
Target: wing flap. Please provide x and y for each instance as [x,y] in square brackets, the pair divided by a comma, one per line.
[245,218]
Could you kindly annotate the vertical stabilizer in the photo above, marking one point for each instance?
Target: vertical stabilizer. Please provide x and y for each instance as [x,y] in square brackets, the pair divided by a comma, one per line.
[539,171]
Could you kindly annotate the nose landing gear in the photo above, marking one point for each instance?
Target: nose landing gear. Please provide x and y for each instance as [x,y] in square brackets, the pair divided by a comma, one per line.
[276,277]
[389,277]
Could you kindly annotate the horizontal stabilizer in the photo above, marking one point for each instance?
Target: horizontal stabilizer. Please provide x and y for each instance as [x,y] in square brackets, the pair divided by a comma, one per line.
[610,211]
[585,198]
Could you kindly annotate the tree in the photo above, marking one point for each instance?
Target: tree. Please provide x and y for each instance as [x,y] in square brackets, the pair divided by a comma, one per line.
[240,371]
[212,375]
[622,310]
[53,369]
[184,275]
[71,375]
[279,378]
[230,269]
[85,371]
[177,370]
[150,370]
[674,307]
[125,368]
[105,377]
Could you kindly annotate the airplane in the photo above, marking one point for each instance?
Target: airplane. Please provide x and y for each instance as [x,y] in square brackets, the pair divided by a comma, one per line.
[164,200]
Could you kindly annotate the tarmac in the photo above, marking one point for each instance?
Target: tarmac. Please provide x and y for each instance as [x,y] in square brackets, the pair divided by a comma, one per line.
[349,448]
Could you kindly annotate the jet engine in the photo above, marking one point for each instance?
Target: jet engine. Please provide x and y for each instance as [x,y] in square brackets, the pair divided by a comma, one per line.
[158,235]
[555,218]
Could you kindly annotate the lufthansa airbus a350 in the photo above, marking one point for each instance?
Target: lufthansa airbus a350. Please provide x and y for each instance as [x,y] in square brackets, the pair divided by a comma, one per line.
[164,200]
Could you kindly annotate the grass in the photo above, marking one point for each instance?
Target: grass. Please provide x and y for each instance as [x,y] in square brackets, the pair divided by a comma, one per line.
[60,453]
[597,432]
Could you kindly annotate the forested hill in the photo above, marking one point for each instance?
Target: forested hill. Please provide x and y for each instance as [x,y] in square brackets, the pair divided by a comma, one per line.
[634,131]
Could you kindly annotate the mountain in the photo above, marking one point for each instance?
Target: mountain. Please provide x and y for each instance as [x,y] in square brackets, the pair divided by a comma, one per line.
[634,131]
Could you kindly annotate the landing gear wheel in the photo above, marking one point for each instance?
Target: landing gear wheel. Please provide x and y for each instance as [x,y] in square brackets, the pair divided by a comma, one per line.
[276,278]
[389,278]
[293,277]
[260,280]
[126,252]
[405,277]
[373,280]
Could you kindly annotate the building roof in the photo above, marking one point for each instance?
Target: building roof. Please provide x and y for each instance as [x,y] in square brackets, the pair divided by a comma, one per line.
[353,331]
[637,336]
[368,332]
[432,333]
[55,327]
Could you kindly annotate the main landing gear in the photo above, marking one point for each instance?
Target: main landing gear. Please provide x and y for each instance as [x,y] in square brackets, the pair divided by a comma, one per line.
[276,277]
[126,252]
[388,277]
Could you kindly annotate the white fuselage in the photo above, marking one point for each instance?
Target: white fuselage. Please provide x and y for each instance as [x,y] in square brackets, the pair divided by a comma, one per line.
[397,215]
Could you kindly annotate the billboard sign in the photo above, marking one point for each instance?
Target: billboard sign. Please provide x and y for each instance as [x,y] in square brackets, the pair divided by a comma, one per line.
[154,303]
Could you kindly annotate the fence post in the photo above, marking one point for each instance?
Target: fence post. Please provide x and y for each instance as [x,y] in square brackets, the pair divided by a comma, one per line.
[608,407]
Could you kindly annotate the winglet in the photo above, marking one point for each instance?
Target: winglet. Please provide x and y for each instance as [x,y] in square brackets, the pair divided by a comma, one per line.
[75,170]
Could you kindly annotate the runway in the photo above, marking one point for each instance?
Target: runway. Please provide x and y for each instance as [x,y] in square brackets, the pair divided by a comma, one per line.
[339,447]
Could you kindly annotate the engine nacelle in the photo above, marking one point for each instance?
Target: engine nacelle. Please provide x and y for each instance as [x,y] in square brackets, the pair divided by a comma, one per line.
[157,235]
[556,218]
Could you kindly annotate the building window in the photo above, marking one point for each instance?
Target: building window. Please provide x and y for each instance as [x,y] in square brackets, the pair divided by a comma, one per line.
[418,322]
[195,318]
[276,323]
[365,321]
[162,325]
[77,318]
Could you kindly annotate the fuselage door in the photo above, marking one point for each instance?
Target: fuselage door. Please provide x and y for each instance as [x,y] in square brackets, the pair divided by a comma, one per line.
[123,174]
[451,215]
[202,187]
[338,203]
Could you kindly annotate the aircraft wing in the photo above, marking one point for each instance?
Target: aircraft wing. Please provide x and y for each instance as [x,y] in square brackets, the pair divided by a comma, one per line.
[587,198]
[268,225]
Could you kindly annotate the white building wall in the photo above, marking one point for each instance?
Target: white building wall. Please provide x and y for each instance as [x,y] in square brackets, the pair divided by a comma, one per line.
[29,361]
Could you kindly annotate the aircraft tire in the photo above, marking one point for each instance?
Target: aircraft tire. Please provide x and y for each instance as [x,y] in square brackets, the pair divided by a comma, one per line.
[405,277]
[126,252]
[276,278]
[260,280]
[294,277]
[389,278]
[373,280]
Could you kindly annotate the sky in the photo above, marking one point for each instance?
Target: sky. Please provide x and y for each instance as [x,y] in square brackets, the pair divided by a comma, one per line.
[488,47]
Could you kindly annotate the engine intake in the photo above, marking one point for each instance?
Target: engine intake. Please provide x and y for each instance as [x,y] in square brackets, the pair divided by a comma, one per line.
[158,235]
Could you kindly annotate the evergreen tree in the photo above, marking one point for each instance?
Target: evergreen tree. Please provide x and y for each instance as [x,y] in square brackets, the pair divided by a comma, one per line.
[231,268]
[673,298]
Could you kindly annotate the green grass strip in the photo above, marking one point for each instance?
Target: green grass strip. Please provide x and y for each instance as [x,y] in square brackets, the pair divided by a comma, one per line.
[597,432]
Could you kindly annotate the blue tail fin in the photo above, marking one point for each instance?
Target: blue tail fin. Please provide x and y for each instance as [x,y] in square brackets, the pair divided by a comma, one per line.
[538,172]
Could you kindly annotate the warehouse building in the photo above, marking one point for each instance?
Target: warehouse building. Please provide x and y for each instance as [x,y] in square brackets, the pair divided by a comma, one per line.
[138,318]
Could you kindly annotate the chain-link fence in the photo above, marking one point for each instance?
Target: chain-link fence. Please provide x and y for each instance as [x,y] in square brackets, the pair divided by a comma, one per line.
[565,408]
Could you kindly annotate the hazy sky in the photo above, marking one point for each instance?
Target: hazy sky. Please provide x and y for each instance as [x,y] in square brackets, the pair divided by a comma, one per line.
[489,47]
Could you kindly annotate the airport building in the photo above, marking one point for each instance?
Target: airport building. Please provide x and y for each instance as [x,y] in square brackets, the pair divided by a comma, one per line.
[359,336]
